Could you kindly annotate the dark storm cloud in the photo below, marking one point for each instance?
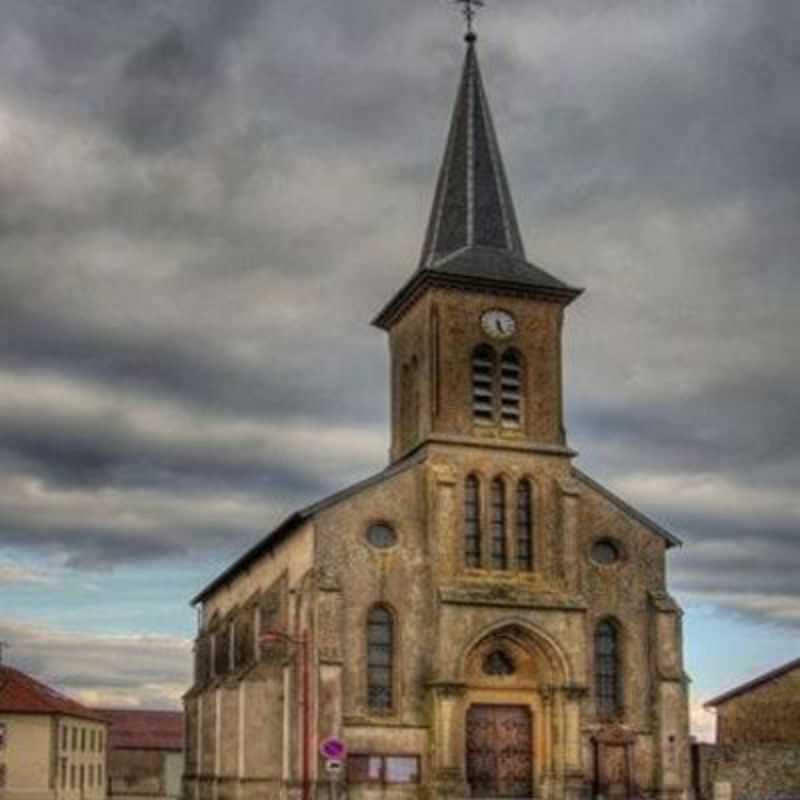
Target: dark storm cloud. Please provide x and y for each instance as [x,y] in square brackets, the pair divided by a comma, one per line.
[202,204]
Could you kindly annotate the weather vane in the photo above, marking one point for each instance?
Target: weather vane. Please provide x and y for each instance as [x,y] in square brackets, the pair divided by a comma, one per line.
[470,9]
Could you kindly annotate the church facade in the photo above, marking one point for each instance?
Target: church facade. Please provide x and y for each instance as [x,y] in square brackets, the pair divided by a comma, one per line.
[479,619]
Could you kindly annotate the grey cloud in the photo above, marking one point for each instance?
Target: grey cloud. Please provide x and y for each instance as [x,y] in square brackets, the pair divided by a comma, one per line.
[101,670]
[217,197]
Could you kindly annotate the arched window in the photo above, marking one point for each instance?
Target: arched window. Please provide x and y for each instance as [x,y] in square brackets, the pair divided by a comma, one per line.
[483,384]
[524,526]
[472,525]
[380,659]
[498,529]
[510,389]
[606,670]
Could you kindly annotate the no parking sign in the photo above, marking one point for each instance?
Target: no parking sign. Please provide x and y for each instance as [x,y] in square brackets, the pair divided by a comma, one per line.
[333,749]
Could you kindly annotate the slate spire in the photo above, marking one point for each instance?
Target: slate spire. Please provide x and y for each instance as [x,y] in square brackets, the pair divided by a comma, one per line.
[472,206]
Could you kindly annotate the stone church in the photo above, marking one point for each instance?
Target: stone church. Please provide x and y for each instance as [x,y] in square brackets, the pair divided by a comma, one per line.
[479,619]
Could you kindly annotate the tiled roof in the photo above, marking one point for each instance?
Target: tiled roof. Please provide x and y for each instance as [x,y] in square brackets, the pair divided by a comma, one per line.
[135,729]
[743,688]
[21,694]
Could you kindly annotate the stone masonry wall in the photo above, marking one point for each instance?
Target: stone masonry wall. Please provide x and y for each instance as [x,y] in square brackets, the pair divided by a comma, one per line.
[752,772]
[769,713]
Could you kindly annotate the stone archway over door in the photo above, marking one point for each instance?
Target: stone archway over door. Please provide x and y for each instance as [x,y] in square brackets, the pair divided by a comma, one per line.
[499,751]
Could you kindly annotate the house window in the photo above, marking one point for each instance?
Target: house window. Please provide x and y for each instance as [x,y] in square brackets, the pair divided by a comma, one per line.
[83,739]
[91,775]
[64,737]
[606,670]
[63,773]
[100,739]
[380,657]
[382,769]
[483,384]
[2,735]
[510,389]
[524,526]
[74,738]
[472,527]
[2,776]
[498,527]
[72,773]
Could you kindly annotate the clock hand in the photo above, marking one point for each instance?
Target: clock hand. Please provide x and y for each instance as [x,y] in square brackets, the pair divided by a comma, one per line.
[499,325]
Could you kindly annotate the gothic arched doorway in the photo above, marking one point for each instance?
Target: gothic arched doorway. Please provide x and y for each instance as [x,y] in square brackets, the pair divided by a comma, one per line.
[513,714]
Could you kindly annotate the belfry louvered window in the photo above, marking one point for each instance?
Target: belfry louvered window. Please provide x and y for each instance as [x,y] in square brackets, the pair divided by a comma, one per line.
[606,670]
[510,389]
[472,526]
[483,384]
[498,529]
[524,526]
[380,658]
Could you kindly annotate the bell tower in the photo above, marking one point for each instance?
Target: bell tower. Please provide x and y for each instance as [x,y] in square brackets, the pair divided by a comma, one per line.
[475,333]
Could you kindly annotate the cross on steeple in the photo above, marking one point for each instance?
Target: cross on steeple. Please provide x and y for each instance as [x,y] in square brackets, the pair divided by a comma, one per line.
[470,9]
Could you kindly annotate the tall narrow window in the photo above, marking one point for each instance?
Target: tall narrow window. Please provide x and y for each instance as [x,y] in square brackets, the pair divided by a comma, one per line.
[499,560]
[472,525]
[510,389]
[524,526]
[606,670]
[380,657]
[483,379]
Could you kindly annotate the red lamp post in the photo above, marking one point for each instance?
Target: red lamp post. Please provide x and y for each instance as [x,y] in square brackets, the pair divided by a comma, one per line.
[270,637]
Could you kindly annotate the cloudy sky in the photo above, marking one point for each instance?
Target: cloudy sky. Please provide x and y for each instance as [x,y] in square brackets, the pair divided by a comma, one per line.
[203,203]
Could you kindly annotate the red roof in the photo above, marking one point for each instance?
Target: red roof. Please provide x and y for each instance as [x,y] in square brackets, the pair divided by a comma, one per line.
[134,729]
[753,684]
[21,694]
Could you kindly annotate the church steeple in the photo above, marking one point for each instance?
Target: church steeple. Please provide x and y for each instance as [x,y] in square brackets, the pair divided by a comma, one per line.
[475,332]
[473,239]
[472,206]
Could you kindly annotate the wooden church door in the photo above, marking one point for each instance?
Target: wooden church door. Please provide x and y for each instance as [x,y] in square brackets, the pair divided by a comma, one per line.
[499,751]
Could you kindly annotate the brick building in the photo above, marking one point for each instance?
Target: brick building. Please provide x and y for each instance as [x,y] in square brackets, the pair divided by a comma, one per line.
[51,748]
[145,757]
[481,618]
[757,751]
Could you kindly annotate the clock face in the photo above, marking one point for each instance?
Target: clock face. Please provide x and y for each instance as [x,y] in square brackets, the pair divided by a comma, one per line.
[498,324]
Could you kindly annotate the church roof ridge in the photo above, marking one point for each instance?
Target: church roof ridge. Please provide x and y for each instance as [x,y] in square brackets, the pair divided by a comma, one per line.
[672,540]
[296,518]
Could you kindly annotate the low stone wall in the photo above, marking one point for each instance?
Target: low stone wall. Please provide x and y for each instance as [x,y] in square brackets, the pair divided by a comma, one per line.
[746,772]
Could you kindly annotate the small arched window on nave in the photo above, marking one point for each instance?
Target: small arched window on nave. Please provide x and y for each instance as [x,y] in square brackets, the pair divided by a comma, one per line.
[380,659]
[483,384]
[607,678]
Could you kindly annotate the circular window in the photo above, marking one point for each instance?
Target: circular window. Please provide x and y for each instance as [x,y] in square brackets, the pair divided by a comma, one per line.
[381,535]
[605,552]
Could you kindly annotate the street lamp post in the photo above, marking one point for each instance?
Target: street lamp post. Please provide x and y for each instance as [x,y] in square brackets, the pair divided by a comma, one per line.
[270,637]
